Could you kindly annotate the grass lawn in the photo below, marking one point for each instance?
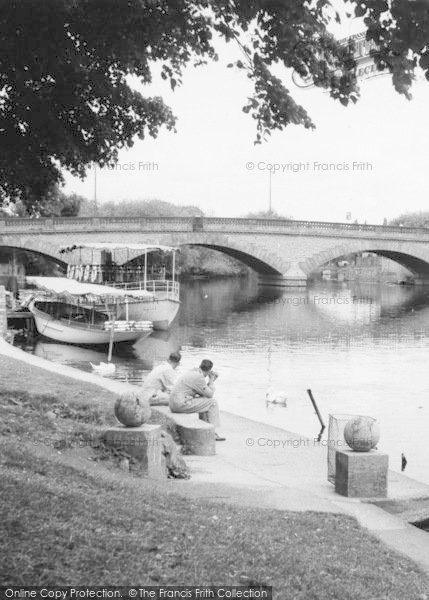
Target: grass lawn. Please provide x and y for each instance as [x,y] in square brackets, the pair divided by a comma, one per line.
[64,523]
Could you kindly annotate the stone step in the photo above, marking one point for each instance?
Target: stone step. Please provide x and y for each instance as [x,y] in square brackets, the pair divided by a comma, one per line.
[196,436]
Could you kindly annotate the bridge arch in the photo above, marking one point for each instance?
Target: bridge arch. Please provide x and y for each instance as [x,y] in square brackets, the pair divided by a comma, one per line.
[416,260]
[249,257]
[49,253]
[250,260]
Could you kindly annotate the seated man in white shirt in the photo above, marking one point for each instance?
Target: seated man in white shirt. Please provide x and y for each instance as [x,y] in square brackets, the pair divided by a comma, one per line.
[192,393]
[157,385]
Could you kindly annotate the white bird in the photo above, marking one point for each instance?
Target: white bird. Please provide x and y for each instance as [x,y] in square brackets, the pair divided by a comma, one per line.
[103,368]
[274,396]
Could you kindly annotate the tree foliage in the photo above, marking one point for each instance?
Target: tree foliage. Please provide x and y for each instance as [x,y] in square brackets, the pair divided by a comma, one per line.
[65,67]
[400,29]
[137,208]
[58,204]
[194,261]
[266,214]
[412,219]
[55,203]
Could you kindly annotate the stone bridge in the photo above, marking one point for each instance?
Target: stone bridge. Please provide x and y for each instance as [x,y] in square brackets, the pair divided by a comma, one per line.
[284,252]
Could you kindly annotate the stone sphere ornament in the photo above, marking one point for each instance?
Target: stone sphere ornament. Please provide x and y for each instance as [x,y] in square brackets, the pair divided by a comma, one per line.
[131,410]
[362,433]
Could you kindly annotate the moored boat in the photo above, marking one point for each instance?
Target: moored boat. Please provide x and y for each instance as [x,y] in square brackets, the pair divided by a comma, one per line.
[120,266]
[161,308]
[70,312]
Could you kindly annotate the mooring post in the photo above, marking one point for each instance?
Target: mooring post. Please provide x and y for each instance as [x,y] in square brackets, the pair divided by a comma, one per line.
[3,313]
[313,401]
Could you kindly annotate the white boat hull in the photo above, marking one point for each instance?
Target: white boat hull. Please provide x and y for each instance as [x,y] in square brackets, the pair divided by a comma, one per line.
[60,331]
[161,311]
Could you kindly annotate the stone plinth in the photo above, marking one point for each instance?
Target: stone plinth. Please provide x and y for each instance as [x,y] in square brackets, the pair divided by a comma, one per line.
[361,474]
[142,443]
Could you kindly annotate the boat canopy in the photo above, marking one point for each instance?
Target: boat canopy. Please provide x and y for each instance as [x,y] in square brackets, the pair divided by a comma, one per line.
[71,287]
[143,248]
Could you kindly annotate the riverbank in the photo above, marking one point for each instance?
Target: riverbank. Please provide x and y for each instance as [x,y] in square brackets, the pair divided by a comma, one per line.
[91,522]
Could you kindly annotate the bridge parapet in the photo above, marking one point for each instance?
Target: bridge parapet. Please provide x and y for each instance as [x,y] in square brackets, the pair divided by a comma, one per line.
[210,224]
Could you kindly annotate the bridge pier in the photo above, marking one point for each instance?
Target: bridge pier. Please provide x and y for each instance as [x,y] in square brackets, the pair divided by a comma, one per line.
[294,277]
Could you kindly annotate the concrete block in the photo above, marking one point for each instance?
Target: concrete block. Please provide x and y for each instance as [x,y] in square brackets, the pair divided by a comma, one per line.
[196,440]
[196,436]
[142,443]
[361,474]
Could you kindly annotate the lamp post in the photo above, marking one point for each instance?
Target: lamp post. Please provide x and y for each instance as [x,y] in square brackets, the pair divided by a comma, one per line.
[95,189]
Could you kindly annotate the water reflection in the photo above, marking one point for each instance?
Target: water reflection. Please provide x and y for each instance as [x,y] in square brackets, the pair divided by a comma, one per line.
[361,348]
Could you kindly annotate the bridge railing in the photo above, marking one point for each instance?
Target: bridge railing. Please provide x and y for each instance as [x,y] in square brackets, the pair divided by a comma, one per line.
[320,225]
[215,224]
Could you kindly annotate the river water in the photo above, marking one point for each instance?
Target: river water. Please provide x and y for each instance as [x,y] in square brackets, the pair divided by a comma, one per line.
[362,349]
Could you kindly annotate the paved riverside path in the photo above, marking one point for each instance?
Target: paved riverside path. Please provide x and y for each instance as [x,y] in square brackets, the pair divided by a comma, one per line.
[276,469]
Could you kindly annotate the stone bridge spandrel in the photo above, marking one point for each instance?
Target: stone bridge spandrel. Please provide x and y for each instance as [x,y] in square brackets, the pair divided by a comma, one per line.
[281,251]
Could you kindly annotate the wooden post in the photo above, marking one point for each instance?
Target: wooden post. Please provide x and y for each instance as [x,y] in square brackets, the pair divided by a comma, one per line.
[174,266]
[313,401]
[3,312]
[112,331]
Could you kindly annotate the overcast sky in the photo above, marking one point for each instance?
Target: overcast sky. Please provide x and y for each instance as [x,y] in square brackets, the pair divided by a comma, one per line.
[205,162]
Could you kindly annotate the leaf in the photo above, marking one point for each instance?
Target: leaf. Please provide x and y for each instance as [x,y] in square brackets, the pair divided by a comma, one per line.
[360,10]
[424,61]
